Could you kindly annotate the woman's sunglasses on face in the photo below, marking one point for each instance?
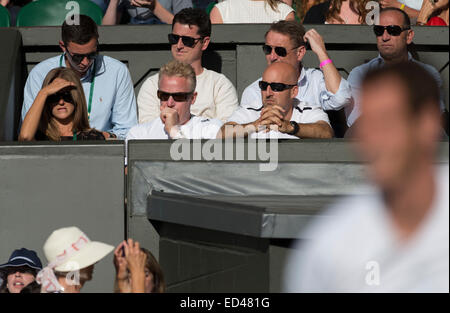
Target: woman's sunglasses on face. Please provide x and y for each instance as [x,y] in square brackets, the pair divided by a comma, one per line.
[393,30]
[23,270]
[177,96]
[277,87]
[187,41]
[65,95]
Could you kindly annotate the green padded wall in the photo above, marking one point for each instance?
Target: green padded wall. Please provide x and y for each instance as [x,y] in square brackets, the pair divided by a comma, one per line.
[53,12]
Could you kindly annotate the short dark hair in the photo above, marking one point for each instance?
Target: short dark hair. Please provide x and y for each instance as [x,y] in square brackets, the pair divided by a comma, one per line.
[421,87]
[406,19]
[79,34]
[197,17]
[294,30]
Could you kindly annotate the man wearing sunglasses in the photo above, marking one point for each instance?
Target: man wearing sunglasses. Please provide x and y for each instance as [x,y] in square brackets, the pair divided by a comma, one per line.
[217,97]
[281,115]
[285,41]
[393,35]
[176,92]
[106,82]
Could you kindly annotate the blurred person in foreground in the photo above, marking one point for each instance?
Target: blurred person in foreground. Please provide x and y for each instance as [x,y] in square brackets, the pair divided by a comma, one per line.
[395,238]
[137,270]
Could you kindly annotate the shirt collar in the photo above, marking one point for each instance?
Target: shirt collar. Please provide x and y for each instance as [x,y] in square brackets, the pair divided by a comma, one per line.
[302,80]
[381,60]
[87,77]
[302,83]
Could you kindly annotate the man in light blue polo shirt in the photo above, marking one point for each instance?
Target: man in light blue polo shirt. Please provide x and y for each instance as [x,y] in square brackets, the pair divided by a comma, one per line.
[393,34]
[106,81]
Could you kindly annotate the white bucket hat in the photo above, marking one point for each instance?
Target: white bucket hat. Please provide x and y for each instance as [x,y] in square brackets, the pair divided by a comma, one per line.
[79,251]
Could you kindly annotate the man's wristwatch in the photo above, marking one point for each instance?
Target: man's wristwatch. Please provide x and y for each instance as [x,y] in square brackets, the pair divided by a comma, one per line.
[296,128]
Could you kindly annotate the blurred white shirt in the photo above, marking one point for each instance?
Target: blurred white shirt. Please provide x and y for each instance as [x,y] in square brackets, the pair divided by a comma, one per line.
[357,249]
[413,4]
[248,11]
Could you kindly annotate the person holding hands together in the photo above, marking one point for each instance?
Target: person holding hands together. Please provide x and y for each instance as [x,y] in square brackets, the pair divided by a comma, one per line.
[281,116]
[137,270]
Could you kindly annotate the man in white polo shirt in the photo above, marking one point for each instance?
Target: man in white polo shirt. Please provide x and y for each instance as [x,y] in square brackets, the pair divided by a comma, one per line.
[280,115]
[176,91]
[217,97]
[285,41]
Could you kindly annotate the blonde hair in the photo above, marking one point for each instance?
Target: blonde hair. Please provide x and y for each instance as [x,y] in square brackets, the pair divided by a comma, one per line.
[178,69]
[47,124]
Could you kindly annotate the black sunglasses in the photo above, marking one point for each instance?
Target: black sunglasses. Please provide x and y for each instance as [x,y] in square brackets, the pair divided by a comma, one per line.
[187,41]
[393,30]
[66,96]
[274,86]
[177,96]
[78,58]
[280,51]
[23,269]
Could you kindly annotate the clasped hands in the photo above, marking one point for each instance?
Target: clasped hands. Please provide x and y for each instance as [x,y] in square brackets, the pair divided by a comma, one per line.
[128,259]
[272,118]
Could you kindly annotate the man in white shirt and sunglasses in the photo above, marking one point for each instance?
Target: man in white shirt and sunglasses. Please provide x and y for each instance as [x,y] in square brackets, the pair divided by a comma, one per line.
[282,115]
[176,92]
[285,41]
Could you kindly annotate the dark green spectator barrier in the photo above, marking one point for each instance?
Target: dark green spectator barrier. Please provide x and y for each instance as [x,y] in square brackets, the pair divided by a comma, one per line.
[223,225]
[49,186]
[5,18]
[235,50]
[12,81]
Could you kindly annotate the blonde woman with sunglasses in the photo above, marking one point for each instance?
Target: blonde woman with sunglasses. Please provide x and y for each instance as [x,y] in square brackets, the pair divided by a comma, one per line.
[59,111]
